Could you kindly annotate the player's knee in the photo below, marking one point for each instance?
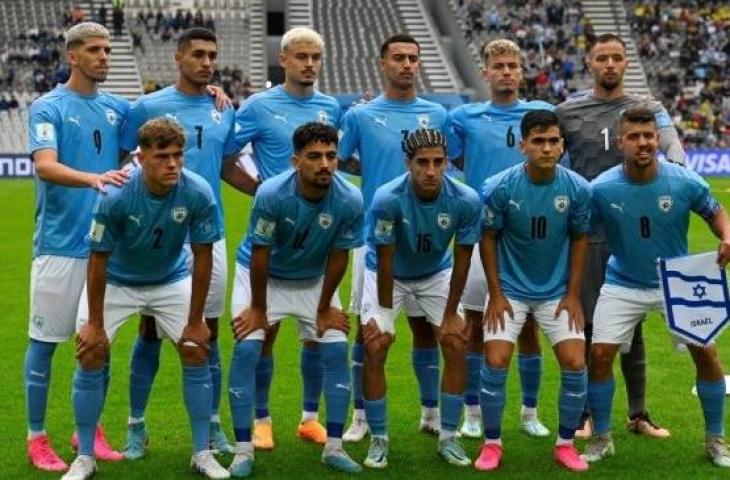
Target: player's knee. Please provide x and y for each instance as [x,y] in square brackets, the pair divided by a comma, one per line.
[602,355]
[376,352]
[148,328]
[573,363]
[192,354]
[95,358]
[496,358]
[453,348]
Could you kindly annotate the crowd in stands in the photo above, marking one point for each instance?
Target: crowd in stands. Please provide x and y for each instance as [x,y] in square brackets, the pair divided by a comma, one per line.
[33,61]
[552,33]
[165,26]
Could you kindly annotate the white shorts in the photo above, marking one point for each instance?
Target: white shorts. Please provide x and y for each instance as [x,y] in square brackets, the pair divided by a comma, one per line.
[356,286]
[430,295]
[217,290]
[286,298]
[556,329]
[475,291]
[168,303]
[56,284]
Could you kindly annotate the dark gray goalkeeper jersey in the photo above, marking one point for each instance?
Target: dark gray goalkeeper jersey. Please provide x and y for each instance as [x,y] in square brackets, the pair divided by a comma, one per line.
[589,126]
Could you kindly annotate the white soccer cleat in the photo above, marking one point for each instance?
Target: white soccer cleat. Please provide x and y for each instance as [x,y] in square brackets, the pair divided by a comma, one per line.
[356,431]
[204,462]
[471,428]
[377,453]
[82,468]
[601,446]
[533,427]
[430,424]
[717,451]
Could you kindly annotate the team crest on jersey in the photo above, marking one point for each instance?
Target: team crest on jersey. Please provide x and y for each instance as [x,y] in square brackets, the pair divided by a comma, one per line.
[97,231]
[45,132]
[443,220]
[323,117]
[665,203]
[179,214]
[325,220]
[216,116]
[423,121]
[488,215]
[383,228]
[171,116]
[265,228]
[561,203]
[111,116]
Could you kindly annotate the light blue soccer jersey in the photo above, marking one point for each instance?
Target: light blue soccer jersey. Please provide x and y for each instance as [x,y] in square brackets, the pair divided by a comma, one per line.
[84,132]
[268,120]
[535,222]
[646,221]
[145,233]
[302,234]
[209,133]
[488,136]
[377,131]
[421,231]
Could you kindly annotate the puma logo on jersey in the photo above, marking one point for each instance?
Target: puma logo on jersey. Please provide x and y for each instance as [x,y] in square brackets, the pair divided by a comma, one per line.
[516,204]
[289,220]
[619,207]
[342,386]
[281,118]
[76,120]
[381,120]
[136,219]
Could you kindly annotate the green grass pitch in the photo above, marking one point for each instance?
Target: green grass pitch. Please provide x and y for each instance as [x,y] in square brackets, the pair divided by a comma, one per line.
[413,455]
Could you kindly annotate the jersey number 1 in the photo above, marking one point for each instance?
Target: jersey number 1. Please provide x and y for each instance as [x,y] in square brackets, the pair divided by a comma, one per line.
[199,130]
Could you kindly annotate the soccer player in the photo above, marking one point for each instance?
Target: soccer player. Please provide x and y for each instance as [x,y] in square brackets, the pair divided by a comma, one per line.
[138,264]
[210,152]
[487,138]
[376,131]
[303,224]
[589,123]
[410,225]
[73,134]
[267,120]
[537,217]
[644,206]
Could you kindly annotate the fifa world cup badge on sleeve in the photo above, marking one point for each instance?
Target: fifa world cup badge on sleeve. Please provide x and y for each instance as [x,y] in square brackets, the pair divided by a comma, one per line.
[696,300]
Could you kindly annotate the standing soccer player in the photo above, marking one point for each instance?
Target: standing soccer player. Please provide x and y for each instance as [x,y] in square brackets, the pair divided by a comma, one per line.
[73,142]
[138,264]
[537,217]
[377,131]
[410,225]
[303,224]
[268,120]
[589,123]
[487,139]
[644,206]
[210,151]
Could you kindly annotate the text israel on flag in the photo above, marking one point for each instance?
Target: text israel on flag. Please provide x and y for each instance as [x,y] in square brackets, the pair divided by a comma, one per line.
[696,300]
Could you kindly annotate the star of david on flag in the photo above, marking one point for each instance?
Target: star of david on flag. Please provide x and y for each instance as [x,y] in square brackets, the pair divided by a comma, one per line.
[696,300]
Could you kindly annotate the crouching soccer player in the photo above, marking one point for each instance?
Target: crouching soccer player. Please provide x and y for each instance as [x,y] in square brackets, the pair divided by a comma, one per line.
[138,265]
[537,217]
[304,222]
[644,207]
[410,225]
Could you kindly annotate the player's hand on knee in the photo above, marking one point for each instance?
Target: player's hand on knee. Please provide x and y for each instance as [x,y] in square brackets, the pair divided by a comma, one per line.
[723,253]
[248,321]
[193,345]
[454,330]
[497,307]
[374,339]
[571,304]
[332,319]
[92,346]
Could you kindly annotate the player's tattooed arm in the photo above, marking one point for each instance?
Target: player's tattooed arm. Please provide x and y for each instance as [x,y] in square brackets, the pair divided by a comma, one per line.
[48,168]
[329,317]
[671,145]
[238,177]
[498,304]
[720,226]
[571,301]
[254,317]
[350,165]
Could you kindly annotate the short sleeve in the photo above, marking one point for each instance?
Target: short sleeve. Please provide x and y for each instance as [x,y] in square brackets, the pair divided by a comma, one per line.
[204,222]
[702,201]
[43,125]
[454,131]
[230,147]
[246,127]
[470,224]
[381,221]
[136,116]
[580,211]
[349,135]
[104,232]
[264,216]
[350,232]
[494,205]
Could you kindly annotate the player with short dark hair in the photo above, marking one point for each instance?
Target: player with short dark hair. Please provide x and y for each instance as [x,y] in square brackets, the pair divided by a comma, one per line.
[537,218]
[644,207]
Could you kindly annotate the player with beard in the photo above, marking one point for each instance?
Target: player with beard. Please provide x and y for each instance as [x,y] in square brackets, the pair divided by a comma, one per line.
[589,124]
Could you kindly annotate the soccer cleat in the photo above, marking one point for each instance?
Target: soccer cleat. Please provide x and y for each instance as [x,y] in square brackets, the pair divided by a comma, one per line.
[585,429]
[717,450]
[430,424]
[263,435]
[340,460]
[357,430]
[102,449]
[567,455]
[489,457]
[82,468]
[641,423]
[42,455]
[377,453]
[242,465]
[312,431]
[471,428]
[533,427]
[218,442]
[137,439]
[601,446]
[451,450]
[204,462]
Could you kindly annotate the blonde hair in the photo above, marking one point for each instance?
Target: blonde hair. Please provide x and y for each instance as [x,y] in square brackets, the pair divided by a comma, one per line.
[76,35]
[301,34]
[160,132]
[500,46]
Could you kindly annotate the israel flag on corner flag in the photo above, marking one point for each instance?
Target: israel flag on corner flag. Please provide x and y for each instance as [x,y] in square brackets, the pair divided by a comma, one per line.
[696,300]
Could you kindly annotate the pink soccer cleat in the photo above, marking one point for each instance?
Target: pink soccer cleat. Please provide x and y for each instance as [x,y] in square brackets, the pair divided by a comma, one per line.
[102,449]
[42,455]
[567,455]
[489,457]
